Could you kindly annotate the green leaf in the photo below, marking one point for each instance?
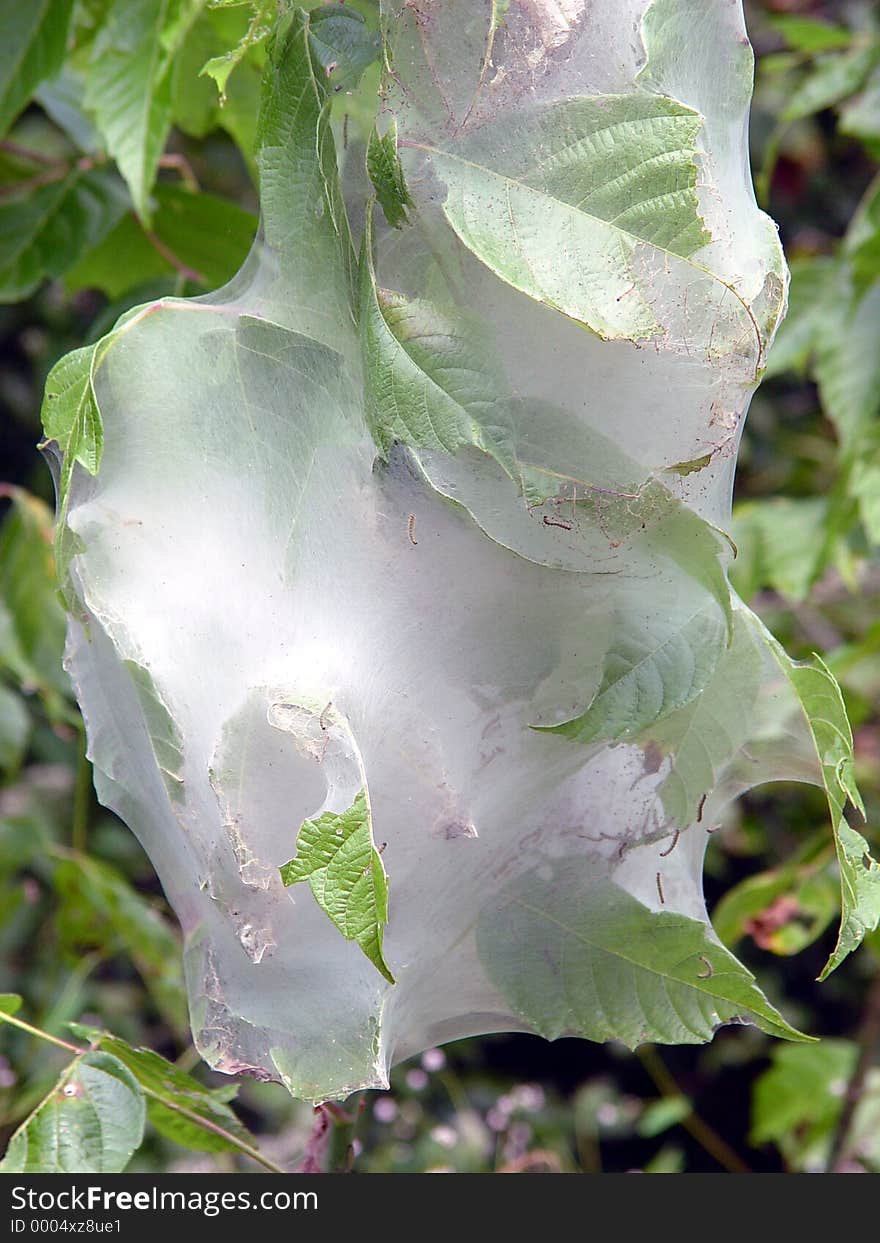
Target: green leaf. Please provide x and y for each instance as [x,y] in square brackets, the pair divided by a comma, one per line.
[337,856]
[177,1102]
[809,34]
[32,622]
[33,38]
[614,176]
[91,1122]
[796,1103]
[648,671]
[342,45]
[100,909]
[129,85]
[429,375]
[660,1115]
[386,174]
[259,28]
[783,545]
[15,728]
[830,79]
[861,116]
[822,705]
[848,362]
[799,333]
[784,909]
[62,99]
[10,1003]
[44,233]
[576,957]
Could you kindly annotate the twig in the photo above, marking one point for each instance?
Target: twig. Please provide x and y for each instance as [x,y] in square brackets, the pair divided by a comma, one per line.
[705,1135]
[205,1123]
[170,257]
[868,1039]
[330,1149]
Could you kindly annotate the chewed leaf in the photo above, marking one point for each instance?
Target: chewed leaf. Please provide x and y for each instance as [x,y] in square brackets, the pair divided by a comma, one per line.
[578,225]
[386,174]
[823,707]
[337,856]
[579,958]
[428,382]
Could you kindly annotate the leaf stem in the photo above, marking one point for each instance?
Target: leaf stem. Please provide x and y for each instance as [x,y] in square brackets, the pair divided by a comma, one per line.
[205,1123]
[705,1135]
[41,1035]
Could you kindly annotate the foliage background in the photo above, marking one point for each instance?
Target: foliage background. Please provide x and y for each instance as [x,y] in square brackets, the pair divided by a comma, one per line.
[84,932]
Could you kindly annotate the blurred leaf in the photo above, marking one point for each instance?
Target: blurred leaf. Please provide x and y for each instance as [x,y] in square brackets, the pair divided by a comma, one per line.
[808,34]
[43,233]
[660,1115]
[62,99]
[797,1102]
[101,910]
[15,728]
[208,235]
[386,174]
[848,361]
[172,1090]
[796,339]
[784,910]
[32,622]
[219,67]
[861,117]
[33,38]
[830,79]
[10,1003]
[669,1160]
[823,708]
[91,1123]
[197,107]
[129,85]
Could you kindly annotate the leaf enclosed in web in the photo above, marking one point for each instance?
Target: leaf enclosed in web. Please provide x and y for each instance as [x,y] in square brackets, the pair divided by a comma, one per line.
[652,666]
[574,957]
[561,206]
[90,1123]
[186,225]
[430,381]
[33,39]
[337,856]
[822,704]
[99,908]
[219,67]
[46,232]
[70,411]
[177,1102]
